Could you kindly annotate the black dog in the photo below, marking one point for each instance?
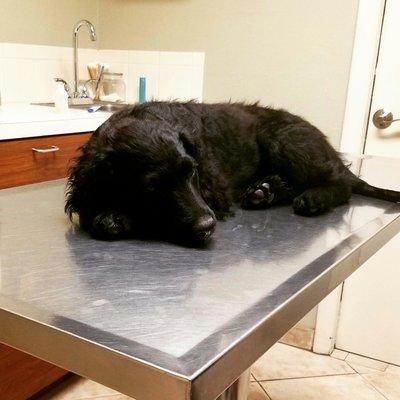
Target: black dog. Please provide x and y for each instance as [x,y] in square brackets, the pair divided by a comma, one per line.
[171,169]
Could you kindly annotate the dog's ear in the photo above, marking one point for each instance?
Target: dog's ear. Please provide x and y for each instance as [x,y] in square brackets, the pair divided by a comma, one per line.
[188,142]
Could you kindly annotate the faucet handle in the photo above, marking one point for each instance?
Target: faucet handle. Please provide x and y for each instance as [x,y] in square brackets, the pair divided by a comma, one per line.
[66,87]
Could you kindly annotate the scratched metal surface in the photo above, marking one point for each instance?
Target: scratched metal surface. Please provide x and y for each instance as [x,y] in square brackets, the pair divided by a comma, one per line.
[173,307]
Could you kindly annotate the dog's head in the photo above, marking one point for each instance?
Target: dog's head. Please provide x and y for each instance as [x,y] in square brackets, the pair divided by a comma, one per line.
[155,181]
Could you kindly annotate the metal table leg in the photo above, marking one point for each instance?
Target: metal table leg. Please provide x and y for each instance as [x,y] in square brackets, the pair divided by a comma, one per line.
[239,389]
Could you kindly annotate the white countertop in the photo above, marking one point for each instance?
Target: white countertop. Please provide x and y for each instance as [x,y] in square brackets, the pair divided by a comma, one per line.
[24,120]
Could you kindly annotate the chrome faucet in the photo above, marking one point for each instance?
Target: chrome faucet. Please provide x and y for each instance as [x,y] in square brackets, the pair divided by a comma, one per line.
[76,93]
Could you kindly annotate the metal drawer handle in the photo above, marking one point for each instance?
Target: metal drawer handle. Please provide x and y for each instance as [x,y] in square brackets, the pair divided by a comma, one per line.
[52,149]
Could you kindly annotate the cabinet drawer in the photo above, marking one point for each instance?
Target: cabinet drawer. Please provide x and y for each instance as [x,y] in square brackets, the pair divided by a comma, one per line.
[20,164]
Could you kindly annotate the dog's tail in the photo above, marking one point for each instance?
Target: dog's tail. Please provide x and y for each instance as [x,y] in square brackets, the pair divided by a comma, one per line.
[359,186]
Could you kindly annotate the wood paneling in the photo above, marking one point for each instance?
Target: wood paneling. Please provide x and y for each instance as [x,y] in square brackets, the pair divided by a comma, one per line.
[22,375]
[20,165]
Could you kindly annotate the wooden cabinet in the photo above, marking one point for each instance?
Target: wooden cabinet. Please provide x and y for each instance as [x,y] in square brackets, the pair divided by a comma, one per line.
[25,161]
[22,375]
[32,160]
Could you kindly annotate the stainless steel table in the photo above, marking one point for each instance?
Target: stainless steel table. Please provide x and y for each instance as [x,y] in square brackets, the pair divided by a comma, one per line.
[157,321]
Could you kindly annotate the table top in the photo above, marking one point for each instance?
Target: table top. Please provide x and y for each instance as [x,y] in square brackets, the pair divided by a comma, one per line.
[158,321]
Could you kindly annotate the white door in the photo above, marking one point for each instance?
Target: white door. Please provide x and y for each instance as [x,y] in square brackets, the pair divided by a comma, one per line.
[369,322]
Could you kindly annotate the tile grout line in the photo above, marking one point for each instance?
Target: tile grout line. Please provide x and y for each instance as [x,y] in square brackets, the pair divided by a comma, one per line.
[367,358]
[373,386]
[350,366]
[264,390]
[304,377]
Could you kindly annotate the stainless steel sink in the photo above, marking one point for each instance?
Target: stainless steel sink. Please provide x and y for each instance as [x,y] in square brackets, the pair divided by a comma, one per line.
[104,106]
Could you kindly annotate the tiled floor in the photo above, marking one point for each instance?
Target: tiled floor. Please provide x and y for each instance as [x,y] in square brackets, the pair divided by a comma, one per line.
[285,373]
[289,373]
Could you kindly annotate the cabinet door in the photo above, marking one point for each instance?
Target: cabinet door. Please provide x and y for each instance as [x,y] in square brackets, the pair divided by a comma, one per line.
[38,159]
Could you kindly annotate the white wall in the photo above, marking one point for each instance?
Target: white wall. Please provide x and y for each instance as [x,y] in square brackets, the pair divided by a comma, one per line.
[287,53]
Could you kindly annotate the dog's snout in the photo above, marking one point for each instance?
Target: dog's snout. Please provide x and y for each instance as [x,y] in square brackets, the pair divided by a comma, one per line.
[205,226]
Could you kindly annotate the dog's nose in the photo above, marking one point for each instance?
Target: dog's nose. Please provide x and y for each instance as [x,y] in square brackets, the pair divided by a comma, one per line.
[205,226]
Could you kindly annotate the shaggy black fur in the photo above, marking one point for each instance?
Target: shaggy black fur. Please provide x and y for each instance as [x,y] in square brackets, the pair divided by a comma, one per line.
[172,169]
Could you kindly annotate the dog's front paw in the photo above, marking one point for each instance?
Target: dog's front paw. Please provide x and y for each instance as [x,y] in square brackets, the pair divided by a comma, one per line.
[311,203]
[266,192]
[258,196]
[110,225]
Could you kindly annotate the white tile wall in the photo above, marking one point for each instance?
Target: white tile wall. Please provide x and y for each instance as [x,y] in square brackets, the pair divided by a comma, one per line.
[169,75]
[27,71]
[175,82]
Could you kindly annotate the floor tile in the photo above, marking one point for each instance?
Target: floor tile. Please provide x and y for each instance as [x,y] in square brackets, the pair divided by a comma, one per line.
[76,388]
[282,362]
[364,364]
[388,382]
[339,354]
[256,392]
[341,387]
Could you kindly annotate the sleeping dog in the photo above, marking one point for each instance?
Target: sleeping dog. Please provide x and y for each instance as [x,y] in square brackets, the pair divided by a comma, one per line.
[171,169]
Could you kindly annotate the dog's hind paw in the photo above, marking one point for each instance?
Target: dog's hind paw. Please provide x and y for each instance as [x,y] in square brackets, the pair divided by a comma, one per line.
[266,192]
[311,203]
[110,225]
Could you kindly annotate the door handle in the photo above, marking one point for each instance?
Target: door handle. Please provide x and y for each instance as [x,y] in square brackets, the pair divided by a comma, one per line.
[382,118]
